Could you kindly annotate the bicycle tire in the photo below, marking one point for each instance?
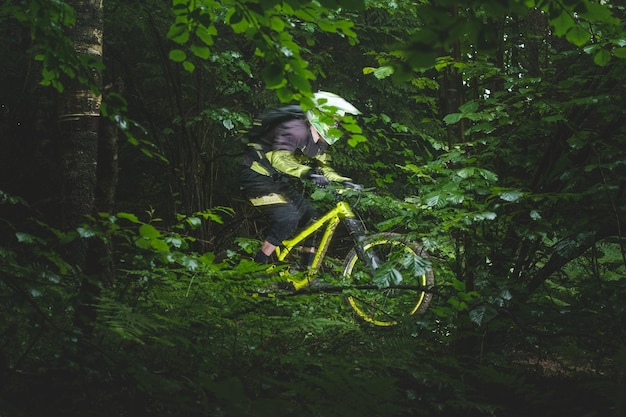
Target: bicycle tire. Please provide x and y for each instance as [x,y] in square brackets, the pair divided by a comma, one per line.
[403,260]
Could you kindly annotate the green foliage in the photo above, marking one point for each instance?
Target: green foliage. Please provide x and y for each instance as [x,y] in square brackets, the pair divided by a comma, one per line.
[444,25]
[178,330]
[46,22]
[269,26]
[514,190]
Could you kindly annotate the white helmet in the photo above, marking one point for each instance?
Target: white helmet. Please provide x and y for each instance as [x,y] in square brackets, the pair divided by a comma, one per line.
[329,107]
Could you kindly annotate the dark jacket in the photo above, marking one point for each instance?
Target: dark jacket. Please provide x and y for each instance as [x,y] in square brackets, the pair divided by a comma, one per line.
[291,150]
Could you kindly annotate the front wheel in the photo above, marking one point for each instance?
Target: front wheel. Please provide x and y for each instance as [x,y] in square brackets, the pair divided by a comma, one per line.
[396,287]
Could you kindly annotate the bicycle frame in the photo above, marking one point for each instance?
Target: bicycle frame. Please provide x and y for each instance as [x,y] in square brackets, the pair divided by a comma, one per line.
[331,219]
[384,254]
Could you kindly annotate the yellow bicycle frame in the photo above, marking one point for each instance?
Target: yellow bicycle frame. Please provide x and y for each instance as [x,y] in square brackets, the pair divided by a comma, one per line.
[331,219]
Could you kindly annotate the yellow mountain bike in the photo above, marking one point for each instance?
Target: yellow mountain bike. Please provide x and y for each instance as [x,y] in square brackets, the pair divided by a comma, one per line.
[385,276]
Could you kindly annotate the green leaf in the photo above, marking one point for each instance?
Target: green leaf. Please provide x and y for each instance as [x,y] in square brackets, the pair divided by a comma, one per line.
[85,233]
[484,215]
[435,200]
[482,314]
[456,197]
[194,221]
[620,52]
[458,305]
[511,195]
[201,51]
[578,36]
[273,75]
[602,58]
[206,34]
[178,33]
[596,12]
[128,216]
[177,55]
[189,66]
[465,172]
[416,264]
[469,107]
[190,263]
[175,242]
[159,245]
[488,175]
[277,24]
[25,237]
[387,276]
[352,127]
[149,231]
[356,139]
[452,118]
[562,24]
[379,73]
[228,124]
[237,21]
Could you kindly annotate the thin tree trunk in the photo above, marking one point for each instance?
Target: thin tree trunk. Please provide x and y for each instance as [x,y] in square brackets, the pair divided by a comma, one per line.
[79,117]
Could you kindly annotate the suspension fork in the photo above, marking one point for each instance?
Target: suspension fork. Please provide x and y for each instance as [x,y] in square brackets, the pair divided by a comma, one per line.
[357,232]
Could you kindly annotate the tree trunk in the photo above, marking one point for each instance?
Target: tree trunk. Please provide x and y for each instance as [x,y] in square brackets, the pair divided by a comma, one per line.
[79,116]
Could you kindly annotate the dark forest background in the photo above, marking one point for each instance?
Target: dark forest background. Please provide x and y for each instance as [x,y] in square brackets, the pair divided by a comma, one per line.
[492,131]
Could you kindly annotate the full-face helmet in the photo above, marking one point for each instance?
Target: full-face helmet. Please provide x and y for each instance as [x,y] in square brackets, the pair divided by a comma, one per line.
[328,107]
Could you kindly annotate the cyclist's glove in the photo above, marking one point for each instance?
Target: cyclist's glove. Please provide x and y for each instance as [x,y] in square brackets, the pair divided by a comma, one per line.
[319,180]
[353,186]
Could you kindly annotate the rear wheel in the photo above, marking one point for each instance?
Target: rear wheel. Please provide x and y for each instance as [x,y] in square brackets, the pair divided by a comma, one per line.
[396,288]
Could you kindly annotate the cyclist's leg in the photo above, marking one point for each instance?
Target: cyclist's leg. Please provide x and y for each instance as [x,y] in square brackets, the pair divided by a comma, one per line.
[286,210]
[308,215]
[268,195]
[284,220]
[263,255]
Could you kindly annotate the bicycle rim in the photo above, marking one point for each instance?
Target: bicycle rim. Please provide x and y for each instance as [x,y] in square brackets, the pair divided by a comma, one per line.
[397,289]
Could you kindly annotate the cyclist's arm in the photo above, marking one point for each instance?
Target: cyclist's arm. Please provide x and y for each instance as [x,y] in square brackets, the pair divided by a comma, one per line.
[289,137]
[323,162]
[287,163]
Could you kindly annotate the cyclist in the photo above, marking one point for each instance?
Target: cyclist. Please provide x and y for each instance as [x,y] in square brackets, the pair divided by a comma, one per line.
[294,148]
